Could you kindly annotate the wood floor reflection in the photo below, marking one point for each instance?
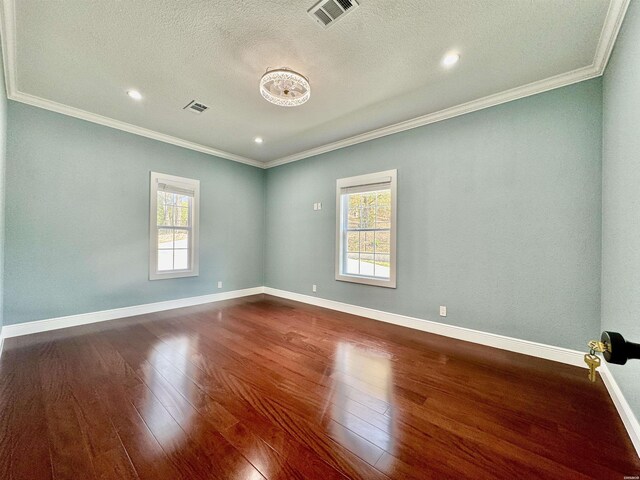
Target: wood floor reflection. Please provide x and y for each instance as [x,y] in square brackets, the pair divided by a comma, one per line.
[267,388]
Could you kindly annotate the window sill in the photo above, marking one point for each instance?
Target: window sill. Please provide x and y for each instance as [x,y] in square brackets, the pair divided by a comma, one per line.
[173,274]
[376,282]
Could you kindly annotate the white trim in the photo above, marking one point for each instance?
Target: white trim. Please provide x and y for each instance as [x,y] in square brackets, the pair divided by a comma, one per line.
[7,31]
[540,350]
[624,409]
[534,88]
[194,251]
[37,326]
[556,354]
[608,35]
[387,177]
[9,55]
[126,127]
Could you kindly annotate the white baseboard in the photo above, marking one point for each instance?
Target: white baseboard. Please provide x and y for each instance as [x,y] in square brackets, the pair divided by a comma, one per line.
[557,354]
[37,326]
[624,409]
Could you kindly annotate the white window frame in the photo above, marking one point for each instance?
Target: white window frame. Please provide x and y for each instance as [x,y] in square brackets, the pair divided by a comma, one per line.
[187,184]
[388,176]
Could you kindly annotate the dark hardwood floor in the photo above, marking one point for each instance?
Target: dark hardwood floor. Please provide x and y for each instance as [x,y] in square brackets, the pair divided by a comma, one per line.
[266,388]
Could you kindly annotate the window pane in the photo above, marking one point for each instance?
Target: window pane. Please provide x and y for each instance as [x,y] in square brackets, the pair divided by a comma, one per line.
[354,217]
[162,198]
[181,216]
[382,266]
[383,242]
[165,238]
[368,210]
[366,264]
[384,198]
[182,200]
[166,198]
[165,214]
[353,265]
[165,260]
[353,241]
[181,259]
[367,240]
[383,217]
[181,239]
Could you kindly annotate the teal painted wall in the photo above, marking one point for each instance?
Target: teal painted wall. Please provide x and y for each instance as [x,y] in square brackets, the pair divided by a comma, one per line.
[498,219]
[3,162]
[621,198]
[77,218]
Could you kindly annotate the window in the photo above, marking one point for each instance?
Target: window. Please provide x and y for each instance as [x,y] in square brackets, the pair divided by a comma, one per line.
[366,229]
[173,227]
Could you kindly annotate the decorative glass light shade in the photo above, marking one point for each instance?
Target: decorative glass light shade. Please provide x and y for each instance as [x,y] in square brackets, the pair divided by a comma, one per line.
[285,87]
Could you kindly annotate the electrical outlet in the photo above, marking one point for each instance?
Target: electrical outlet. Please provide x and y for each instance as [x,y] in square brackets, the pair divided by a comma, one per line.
[219,284]
[315,289]
[443,311]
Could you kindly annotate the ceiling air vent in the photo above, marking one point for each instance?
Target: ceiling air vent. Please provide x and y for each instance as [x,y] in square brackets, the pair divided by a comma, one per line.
[195,107]
[328,12]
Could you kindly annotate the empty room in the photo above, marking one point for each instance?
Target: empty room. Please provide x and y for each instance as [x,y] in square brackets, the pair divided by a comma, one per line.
[336,239]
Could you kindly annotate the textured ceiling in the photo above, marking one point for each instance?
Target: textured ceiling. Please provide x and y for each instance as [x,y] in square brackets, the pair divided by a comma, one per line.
[378,66]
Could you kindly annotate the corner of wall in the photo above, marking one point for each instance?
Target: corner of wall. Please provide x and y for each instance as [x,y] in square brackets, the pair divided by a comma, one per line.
[265,212]
[3,158]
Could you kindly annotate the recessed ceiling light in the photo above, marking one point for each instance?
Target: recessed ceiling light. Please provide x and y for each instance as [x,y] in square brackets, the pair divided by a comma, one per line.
[258,140]
[136,95]
[450,59]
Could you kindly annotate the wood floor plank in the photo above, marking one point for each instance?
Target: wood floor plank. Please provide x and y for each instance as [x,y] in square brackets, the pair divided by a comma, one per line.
[269,388]
[22,416]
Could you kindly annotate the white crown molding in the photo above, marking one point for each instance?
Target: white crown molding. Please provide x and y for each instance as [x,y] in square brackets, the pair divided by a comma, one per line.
[9,55]
[556,354]
[7,33]
[126,127]
[608,35]
[27,328]
[624,409]
[534,88]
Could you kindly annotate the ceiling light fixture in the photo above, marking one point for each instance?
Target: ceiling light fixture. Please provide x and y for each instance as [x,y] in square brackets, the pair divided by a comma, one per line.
[450,59]
[136,95]
[284,87]
[258,140]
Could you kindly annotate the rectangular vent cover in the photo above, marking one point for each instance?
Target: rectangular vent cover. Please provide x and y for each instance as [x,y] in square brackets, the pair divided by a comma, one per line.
[328,12]
[195,107]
